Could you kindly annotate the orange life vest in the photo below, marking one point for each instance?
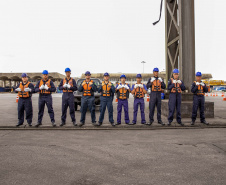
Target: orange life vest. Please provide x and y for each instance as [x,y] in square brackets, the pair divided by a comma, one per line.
[106,88]
[22,93]
[87,88]
[70,82]
[139,92]
[44,83]
[156,86]
[200,89]
[123,93]
[176,87]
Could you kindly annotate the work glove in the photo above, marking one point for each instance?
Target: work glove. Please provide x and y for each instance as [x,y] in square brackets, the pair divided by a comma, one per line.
[42,87]
[46,87]
[83,83]
[119,86]
[197,83]
[68,86]
[152,79]
[65,86]
[126,87]
[141,85]
[202,84]
[178,81]
[18,89]
[160,79]
[174,81]
[27,89]
[136,85]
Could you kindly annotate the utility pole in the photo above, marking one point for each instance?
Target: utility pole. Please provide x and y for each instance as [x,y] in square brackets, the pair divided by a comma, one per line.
[143,62]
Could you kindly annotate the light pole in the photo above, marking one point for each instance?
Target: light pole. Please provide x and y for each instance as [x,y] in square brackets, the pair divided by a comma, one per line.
[143,62]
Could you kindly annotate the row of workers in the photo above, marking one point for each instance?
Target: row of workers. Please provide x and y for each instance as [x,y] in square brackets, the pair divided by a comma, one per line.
[122,90]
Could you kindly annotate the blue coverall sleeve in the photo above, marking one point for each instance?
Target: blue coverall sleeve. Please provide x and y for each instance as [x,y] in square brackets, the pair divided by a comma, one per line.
[149,83]
[80,89]
[37,87]
[94,87]
[205,89]
[163,85]
[61,85]
[16,88]
[52,88]
[182,86]
[170,85]
[100,89]
[113,89]
[132,87]
[31,86]
[194,88]
[145,88]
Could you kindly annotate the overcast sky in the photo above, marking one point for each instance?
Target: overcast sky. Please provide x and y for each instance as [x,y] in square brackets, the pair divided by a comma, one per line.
[102,35]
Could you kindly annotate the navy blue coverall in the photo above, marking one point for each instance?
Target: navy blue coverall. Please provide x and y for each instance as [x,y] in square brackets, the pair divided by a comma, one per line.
[25,104]
[88,101]
[198,102]
[155,100]
[68,101]
[106,101]
[45,99]
[175,101]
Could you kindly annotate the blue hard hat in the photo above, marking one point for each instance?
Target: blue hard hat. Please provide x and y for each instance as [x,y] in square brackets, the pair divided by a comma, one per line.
[106,74]
[156,69]
[45,72]
[24,75]
[176,71]
[139,76]
[87,73]
[67,70]
[123,76]
[198,74]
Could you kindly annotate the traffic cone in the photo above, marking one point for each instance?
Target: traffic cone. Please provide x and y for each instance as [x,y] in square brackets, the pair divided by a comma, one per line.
[148,98]
[224,98]
[17,99]
[216,94]
[222,95]
[116,100]
[213,94]
[206,94]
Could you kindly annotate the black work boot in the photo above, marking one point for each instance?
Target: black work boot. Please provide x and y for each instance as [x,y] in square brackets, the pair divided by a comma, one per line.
[180,123]
[161,123]
[30,124]
[169,123]
[19,124]
[149,123]
[81,124]
[53,124]
[113,124]
[74,123]
[205,122]
[38,124]
[62,124]
[192,123]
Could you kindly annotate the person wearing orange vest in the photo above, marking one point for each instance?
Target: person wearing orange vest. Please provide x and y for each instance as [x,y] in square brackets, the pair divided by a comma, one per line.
[25,90]
[68,86]
[175,86]
[107,91]
[157,85]
[139,90]
[87,87]
[199,89]
[122,91]
[45,87]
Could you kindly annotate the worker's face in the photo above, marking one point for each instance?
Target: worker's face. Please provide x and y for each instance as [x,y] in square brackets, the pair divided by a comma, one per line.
[176,75]
[139,80]
[123,80]
[68,74]
[24,79]
[106,78]
[198,78]
[45,77]
[88,77]
[156,73]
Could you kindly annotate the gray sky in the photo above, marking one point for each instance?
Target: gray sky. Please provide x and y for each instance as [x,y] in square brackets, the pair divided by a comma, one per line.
[102,35]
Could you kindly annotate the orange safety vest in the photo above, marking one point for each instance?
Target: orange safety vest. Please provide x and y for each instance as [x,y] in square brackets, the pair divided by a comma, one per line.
[106,88]
[123,93]
[156,86]
[70,82]
[200,90]
[176,87]
[22,93]
[44,83]
[139,92]
[87,88]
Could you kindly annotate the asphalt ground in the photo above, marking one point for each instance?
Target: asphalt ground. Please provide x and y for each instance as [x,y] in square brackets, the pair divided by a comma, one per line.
[139,155]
